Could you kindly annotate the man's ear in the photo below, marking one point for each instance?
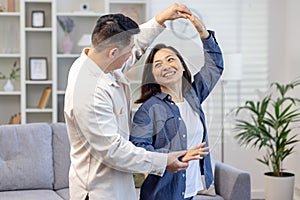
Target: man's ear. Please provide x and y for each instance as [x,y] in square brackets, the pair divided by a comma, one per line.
[113,52]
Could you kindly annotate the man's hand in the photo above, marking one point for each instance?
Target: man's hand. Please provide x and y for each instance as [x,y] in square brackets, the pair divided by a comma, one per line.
[174,11]
[174,164]
[196,153]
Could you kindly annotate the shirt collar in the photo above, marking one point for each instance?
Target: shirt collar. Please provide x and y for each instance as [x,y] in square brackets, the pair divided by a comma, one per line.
[112,80]
[187,95]
[97,71]
[119,76]
[163,96]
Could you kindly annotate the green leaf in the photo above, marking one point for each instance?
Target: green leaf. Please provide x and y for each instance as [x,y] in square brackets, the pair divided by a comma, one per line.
[269,125]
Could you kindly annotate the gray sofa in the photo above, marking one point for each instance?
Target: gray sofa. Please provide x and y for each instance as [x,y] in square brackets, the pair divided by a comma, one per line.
[34,162]
[34,165]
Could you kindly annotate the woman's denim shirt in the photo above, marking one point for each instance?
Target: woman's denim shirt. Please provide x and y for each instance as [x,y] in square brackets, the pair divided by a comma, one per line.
[157,126]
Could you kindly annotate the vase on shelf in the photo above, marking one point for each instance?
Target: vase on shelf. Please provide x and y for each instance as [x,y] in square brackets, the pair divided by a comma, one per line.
[11,6]
[9,86]
[67,43]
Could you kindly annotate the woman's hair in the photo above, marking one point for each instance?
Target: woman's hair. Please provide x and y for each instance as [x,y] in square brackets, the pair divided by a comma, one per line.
[113,30]
[149,86]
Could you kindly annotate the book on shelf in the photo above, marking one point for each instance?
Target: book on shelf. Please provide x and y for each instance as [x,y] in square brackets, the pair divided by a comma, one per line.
[45,97]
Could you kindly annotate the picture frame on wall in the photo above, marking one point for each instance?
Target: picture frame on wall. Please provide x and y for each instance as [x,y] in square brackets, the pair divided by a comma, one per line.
[38,19]
[38,68]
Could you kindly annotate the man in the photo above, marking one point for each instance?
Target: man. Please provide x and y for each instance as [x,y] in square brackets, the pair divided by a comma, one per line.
[97,107]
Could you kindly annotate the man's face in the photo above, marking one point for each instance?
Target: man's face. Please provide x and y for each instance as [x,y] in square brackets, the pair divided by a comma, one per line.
[122,56]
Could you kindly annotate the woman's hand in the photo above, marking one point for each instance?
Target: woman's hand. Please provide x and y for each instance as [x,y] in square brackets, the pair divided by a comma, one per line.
[196,153]
[199,25]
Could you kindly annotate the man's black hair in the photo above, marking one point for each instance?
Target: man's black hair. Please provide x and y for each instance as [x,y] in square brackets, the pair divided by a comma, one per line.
[113,29]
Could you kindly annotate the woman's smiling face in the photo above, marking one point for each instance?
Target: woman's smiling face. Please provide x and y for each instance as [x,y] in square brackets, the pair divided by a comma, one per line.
[167,68]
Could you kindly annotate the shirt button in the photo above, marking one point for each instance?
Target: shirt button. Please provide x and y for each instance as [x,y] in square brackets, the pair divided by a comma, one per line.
[183,175]
[182,193]
[179,118]
[172,103]
[184,135]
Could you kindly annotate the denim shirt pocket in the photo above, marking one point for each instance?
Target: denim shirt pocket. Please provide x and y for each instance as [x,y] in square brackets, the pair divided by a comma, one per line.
[165,132]
[164,124]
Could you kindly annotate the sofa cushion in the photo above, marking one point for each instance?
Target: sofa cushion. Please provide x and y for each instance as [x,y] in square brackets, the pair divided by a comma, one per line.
[61,155]
[63,193]
[26,157]
[30,195]
[237,184]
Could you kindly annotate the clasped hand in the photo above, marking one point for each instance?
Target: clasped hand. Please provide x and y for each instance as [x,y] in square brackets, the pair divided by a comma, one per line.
[174,164]
[196,153]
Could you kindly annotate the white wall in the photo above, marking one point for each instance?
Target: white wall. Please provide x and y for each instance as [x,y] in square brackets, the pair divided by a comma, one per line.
[283,61]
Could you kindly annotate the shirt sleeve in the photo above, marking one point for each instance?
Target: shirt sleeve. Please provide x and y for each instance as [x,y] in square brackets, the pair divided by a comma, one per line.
[210,73]
[149,31]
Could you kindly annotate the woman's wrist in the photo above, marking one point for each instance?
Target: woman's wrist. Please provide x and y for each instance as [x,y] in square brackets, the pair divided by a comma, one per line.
[204,35]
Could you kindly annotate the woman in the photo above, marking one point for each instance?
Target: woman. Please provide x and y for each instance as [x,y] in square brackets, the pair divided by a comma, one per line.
[171,117]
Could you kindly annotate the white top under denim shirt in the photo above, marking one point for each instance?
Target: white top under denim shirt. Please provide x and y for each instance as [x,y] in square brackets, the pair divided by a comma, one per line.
[194,129]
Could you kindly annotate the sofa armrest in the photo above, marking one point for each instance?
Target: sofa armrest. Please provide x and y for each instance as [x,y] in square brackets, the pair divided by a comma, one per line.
[232,183]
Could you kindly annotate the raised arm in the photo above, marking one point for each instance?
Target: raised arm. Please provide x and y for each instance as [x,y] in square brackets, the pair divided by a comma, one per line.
[210,73]
[152,28]
[200,26]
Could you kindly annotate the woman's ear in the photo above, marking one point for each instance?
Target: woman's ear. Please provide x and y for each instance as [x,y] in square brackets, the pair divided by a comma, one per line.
[113,52]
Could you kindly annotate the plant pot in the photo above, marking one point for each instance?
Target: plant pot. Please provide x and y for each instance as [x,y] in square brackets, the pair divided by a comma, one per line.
[279,188]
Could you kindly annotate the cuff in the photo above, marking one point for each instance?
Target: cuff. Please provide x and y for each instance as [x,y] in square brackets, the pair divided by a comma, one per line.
[211,41]
[152,25]
[159,163]
[149,31]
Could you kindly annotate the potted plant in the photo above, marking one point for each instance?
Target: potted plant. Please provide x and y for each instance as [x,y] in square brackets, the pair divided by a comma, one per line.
[269,127]
[8,87]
